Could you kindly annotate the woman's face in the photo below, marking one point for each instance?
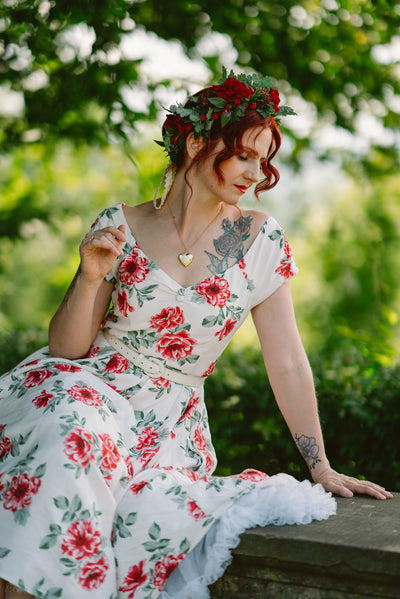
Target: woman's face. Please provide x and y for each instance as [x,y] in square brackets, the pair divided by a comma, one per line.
[240,171]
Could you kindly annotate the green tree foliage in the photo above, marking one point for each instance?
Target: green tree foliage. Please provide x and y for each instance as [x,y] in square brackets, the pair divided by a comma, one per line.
[336,55]
[350,260]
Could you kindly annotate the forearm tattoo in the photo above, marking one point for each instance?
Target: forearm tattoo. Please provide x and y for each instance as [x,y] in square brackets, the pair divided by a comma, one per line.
[309,449]
[229,247]
[72,285]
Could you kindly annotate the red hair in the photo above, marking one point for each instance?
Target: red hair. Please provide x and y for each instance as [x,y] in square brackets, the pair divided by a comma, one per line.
[232,135]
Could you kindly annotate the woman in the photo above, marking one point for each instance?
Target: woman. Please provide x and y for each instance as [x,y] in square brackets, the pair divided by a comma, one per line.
[106,454]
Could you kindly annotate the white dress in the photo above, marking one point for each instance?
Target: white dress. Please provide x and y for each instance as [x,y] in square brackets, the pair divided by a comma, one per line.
[106,473]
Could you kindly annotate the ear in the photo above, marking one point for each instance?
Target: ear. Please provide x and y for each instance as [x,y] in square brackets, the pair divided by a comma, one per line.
[193,145]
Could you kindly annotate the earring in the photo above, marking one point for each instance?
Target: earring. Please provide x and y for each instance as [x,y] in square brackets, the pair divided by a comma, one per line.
[166,181]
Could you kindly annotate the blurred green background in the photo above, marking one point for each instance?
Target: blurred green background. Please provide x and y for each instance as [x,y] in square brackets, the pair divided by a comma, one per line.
[81,91]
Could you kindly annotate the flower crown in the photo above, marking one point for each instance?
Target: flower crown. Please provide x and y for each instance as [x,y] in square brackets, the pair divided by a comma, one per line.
[226,102]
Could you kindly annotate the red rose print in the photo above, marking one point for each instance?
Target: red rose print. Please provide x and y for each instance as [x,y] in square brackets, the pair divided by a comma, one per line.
[2,485]
[6,446]
[20,493]
[190,408]
[110,453]
[129,467]
[285,270]
[287,250]
[251,474]
[199,439]
[67,367]
[242,266]
[138,487]
[190,474]
[78,447]
[210,463]
[148,455]
[194,510]
[209,370]
[36,377]
[215,290]
[168,318]
[81,540]
[123,303]
[161,382]
[85,394]
[226,329]
[92,351]
[117,363]
[29,363]
[93,574]
[147,438]
[133,269]
[134,579]
[164,567]
[42,400]
[2,427]
[174,346]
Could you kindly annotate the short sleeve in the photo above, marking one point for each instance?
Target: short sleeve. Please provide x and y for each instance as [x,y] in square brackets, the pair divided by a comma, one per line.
[273,262]
[110,217]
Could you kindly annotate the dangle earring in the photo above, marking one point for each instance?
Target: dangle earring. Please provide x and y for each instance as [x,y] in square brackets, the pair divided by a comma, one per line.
[166,181]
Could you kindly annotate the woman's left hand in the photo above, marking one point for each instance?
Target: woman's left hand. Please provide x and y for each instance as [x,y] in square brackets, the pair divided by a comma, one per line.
[346,486]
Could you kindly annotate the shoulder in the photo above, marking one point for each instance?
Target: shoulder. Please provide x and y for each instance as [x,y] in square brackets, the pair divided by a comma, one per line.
[256,218]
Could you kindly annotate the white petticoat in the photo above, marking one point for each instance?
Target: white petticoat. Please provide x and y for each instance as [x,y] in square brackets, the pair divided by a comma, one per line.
[284,501]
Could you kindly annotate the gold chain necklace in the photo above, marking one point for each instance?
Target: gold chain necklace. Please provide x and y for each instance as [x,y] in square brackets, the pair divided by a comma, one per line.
[186,257]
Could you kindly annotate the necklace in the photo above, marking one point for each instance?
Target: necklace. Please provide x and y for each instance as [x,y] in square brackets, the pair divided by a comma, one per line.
[186,257]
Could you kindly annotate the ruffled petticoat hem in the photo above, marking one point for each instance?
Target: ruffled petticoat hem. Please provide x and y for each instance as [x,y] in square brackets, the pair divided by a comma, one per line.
[281,500]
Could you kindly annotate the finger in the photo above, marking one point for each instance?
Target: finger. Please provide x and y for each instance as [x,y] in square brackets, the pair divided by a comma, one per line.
[337,489]
[109,238]
[101,241]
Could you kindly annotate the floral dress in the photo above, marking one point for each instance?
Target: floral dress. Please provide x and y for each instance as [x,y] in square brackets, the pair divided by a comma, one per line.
[106,473]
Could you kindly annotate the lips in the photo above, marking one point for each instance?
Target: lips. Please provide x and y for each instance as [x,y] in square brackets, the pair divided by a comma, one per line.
[241,188]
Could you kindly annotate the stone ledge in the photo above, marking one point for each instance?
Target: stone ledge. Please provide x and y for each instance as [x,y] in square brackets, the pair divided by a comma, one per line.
[352,555]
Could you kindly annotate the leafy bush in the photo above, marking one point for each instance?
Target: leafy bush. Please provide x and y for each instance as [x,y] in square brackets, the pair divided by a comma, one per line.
[358,404]
[18,344]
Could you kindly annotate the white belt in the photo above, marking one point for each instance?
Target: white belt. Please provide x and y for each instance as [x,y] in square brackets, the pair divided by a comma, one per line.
[152,366]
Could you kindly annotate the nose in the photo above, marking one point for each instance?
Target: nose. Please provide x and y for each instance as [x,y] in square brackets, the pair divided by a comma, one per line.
[253,171]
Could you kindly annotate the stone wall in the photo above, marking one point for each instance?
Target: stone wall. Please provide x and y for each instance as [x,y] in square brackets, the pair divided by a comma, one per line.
[352,555]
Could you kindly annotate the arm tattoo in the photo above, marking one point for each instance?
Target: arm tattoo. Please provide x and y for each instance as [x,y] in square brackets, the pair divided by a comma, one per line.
[72,285]
[230,244]
[308,448]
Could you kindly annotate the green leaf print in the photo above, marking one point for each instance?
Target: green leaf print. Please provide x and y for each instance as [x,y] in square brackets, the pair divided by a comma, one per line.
[154,531]
[184,547]
[274,235]
[156,545]
[4,552]
[131,519]
[61,502]
[120,528]
[40,471]
[143,295]
[48,541]
[209,321]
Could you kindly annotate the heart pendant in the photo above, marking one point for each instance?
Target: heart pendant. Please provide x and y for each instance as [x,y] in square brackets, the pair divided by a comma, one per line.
[185,259]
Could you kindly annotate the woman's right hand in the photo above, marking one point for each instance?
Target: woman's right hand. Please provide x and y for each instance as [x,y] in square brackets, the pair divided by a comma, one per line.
[99,250]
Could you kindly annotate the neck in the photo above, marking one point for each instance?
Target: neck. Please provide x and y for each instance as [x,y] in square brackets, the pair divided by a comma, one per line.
[189,208]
